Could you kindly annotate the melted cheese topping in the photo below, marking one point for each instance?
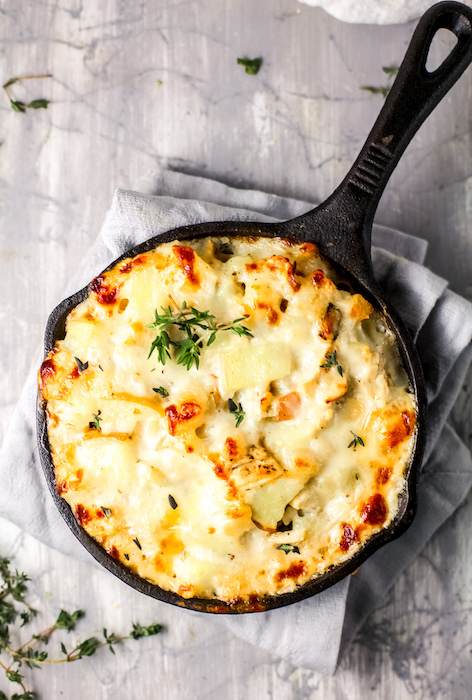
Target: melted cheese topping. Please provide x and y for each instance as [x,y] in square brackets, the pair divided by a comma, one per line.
[167,482]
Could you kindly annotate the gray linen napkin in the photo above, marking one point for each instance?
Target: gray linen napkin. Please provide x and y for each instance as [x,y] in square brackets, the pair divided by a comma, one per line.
[310,633]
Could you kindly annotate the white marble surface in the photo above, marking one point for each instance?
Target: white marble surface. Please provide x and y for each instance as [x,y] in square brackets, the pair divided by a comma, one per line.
[156,82]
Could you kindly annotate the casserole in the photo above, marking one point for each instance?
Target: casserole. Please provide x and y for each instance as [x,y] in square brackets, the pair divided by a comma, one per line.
[341,222]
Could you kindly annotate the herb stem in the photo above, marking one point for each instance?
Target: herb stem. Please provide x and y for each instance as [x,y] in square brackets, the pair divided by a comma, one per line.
[73,655]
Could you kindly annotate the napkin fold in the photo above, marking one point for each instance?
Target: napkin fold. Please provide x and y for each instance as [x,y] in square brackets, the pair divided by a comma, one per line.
[313,632]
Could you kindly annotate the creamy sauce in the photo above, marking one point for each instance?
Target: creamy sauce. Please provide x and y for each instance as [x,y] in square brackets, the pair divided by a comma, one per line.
[149,456]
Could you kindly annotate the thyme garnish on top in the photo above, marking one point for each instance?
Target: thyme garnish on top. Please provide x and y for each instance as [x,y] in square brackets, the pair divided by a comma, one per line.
[95,423]
[357,441]
[190,321]
[162,392]
[12,592]
[237,411]
[332,361]
[288,548]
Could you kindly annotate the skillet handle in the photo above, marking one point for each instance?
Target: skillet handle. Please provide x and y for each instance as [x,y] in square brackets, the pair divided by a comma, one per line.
[349,212]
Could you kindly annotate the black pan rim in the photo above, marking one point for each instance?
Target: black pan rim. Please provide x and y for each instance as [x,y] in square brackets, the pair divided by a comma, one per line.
[408,498]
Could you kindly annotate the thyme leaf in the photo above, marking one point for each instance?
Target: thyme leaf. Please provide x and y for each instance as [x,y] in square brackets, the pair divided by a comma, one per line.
[237,411]
[67,621]
[289,548]
[357,441]
[251,65]
[95,423]
[162,392]
[331,360]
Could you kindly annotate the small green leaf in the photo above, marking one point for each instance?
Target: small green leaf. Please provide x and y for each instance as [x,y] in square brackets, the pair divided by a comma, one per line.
[95,423]
[106,511]
[391,71]
[237,411]
[66,621]
[110,639]
[288,548]
[162,392]
[251,65]
[39,104]
[14,676]
[357,441]
[376,90]
[18,106]
[137,543]
[139,631]
[63,648]
[88,647]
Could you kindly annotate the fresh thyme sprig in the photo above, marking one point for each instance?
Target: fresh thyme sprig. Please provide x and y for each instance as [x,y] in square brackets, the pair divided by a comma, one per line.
[331,360]
[237,411]
[188,320]
[357,441]
[19,106]
[30,654]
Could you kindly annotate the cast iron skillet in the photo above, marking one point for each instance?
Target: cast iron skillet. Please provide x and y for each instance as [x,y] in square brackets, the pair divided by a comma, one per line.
[341,227]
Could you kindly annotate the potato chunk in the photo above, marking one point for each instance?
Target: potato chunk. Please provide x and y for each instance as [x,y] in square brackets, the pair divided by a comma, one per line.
[254,365]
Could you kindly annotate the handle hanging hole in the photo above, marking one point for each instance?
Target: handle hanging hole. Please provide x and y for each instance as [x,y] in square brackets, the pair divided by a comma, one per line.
[441,46]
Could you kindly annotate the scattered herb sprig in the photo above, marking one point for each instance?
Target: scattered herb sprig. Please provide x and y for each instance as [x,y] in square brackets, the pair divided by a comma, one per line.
[19,106]
[190,321]
[357,441]
[13,587]
[237,411]
[331,360]
[383,90]
[251,65]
